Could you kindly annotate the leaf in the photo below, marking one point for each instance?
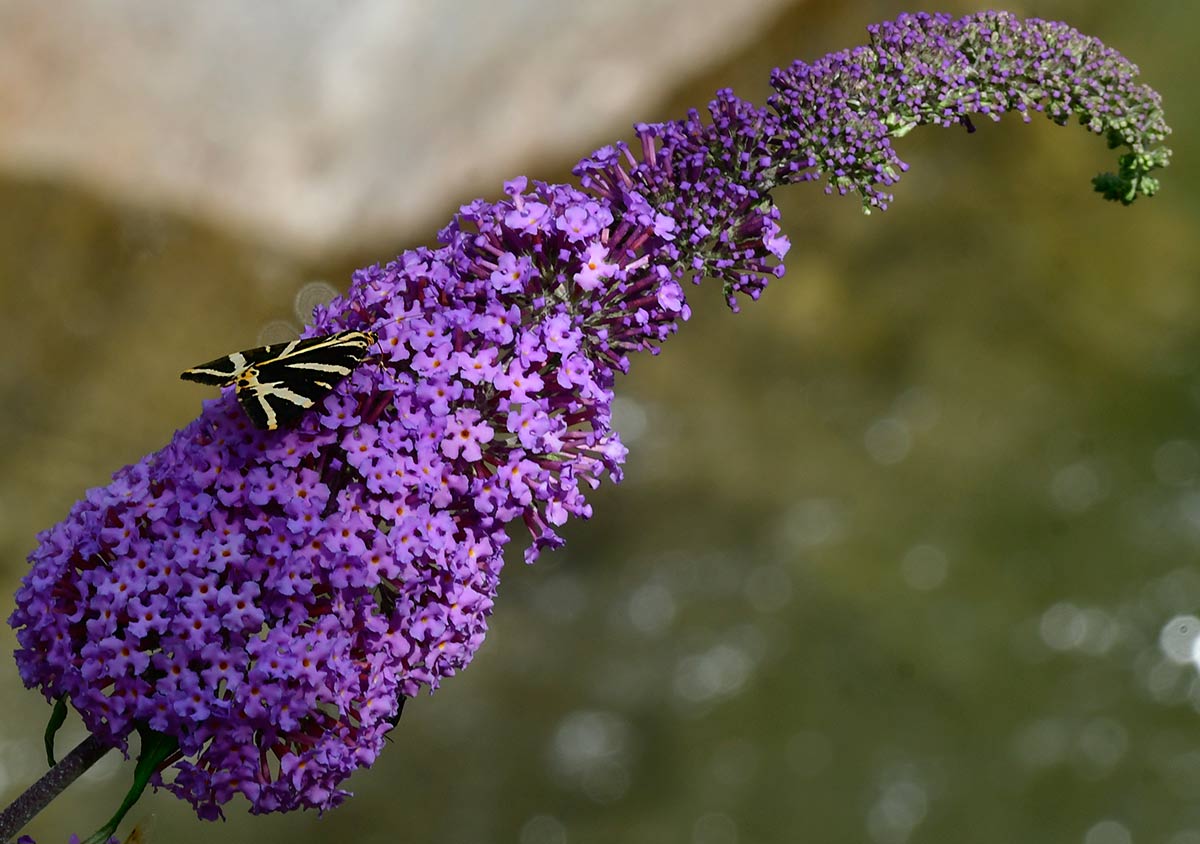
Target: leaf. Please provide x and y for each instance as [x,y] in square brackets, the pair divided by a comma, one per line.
[156,748]
[58,716]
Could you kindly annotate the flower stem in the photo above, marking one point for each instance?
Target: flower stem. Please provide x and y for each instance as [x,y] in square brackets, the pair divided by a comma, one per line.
[54,782]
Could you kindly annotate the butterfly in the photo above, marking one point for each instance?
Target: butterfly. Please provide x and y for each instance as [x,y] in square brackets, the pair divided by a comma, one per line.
[277,383]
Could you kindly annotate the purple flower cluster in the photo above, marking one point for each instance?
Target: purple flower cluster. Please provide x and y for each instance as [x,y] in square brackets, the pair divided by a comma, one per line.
[839,114]
[702,186]
[269,598]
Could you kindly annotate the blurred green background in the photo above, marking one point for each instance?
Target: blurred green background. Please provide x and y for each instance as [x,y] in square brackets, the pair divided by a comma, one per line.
[906,552]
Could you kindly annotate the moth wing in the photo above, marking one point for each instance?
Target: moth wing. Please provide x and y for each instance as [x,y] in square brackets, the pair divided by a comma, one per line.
[219,371]
[273,400]
[315,367]
[225,370]
[257,408]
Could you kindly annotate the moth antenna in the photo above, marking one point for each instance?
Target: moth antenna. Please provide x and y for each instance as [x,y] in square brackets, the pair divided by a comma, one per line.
[374,412]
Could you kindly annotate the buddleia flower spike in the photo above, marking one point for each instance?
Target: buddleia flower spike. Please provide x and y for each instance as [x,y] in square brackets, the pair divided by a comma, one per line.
[268,602]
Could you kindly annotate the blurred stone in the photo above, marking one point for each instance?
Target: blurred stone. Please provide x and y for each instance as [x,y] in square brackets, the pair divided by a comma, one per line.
[325,124]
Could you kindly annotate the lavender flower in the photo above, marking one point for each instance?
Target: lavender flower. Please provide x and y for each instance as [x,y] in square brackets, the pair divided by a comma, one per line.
[270,598]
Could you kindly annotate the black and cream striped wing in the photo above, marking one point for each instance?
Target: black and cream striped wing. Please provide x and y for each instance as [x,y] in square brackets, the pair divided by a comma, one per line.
[224,370]
[277,383]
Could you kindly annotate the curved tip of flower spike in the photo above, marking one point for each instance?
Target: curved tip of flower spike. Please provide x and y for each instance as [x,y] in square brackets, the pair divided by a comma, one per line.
[839,114]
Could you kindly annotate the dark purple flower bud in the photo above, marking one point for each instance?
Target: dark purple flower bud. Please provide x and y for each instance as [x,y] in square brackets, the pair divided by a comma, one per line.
[268,598]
